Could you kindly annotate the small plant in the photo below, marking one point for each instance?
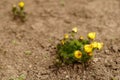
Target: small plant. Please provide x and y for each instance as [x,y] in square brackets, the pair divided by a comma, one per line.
[72,50]
[28,52]
[62,2]
[18,12]
[21,77]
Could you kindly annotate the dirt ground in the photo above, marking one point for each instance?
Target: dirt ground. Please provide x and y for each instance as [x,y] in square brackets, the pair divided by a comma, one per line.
[29,48]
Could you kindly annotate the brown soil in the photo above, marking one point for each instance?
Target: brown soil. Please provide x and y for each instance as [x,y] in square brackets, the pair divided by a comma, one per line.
[47,22]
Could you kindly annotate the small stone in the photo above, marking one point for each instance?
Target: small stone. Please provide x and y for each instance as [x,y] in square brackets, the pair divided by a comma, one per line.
[106,51]
[30,66]
[95,59]
[65,72]
[14,42]
[114,48]
[66,76]
[44,77]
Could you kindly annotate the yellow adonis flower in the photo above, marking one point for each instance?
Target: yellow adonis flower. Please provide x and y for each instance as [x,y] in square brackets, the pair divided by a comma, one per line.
[66,36]
[94,44]
[90,54]
[78,54]
[75,29]
[63,42]
[81,38]
[21,4]
[92,35]
[100,45]
[88,48]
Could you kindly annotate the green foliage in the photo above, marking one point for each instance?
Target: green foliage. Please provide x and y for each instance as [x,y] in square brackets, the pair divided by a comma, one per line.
[66,51]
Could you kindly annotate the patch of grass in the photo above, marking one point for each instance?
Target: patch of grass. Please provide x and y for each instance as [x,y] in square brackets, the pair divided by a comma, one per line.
[28,52]
[21,77]
[14,42]
[62,2]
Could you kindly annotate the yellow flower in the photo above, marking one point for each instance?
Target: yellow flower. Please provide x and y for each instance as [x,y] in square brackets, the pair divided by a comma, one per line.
[88,48]
[66,36]
[78,54]
[81,38]
[21,4]
[92,35]
[75,29]
[100,45]
[90,54]
[63,42]
[94,44]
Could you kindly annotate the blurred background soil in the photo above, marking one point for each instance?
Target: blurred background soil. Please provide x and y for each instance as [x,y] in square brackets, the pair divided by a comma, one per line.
[29,48]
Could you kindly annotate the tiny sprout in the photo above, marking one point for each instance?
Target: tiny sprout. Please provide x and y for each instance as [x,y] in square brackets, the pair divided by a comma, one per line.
[28,52]
[14,41]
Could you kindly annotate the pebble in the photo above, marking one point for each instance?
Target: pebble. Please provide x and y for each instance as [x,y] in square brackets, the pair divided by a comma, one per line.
[96,59]
[65,72]
[66,76]
[30,66]
[114,48]
[107,51]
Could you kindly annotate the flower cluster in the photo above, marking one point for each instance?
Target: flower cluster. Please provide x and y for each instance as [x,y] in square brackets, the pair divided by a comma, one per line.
[72,50]
[19,12]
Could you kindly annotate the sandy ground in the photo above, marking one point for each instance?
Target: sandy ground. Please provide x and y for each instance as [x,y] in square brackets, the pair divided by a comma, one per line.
[47,22]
